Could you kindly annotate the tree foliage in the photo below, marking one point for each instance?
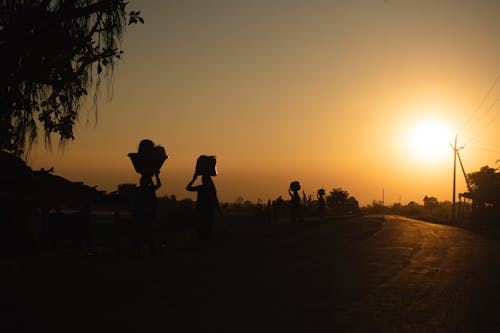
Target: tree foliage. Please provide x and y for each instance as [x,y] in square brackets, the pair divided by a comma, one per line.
[55,53]
[340,202]
[485,185]
[337,196]
[430,203]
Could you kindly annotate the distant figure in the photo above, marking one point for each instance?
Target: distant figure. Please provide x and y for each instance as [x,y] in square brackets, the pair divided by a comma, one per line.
[279,208]
[207,200]
[321,203]
[295,212]
[147,161]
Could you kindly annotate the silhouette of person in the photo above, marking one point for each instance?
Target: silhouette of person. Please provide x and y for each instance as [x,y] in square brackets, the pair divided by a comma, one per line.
[280,208]
[321,203]
[145,202]
[207,200]
[295,212]
[145,211]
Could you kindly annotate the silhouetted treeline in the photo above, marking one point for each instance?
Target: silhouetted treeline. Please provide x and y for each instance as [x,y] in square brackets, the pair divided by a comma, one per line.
[337,203]
[439,211]
[481,204]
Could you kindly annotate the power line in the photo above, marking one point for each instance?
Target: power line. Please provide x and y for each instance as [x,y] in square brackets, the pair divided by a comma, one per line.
[485,143]
[483,129]
[483,100]
[485,149]
[484,121]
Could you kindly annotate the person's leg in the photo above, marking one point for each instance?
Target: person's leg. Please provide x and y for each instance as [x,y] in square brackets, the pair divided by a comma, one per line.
[210,223]
[199,227]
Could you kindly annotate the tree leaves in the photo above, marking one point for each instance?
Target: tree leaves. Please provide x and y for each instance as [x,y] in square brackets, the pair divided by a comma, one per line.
[50,49]
[134,17]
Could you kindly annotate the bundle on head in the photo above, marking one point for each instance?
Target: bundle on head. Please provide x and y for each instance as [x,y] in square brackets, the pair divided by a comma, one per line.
[295,186]
[149,158]
[146,147]
[321,191]
[205,165]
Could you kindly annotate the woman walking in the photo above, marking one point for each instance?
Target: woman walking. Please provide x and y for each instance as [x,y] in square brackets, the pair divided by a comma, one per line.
[147,162]
[207,200]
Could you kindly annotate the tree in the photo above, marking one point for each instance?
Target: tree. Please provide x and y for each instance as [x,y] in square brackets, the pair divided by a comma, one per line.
[485,185]
[430,203]
[55,53]
[341,203]
[337,196]
[126,188]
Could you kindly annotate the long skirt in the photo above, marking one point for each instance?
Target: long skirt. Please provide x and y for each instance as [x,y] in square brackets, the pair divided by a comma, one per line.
[204,223]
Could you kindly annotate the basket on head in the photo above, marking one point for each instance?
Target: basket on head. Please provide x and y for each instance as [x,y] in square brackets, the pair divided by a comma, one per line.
[149,158]
[145,146]
[205,165]
[295,186]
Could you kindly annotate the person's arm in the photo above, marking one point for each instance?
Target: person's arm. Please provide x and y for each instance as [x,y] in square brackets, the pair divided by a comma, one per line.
[190,186]
[158,182]
[290,192]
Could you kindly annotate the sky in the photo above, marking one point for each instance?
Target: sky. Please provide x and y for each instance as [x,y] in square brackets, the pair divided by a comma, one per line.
[362,95]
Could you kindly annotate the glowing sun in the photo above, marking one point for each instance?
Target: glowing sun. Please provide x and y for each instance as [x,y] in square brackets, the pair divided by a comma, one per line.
[430,140]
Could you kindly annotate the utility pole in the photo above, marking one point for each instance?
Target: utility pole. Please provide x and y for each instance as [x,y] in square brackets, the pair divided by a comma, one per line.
[454,179]
[455,153]
[465,174]
[383,196]
[383,200]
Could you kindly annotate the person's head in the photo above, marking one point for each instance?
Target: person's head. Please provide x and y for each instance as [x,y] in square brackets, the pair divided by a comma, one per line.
[145,146]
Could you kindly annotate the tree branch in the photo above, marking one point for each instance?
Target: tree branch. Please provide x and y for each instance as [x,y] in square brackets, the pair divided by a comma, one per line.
[90,9]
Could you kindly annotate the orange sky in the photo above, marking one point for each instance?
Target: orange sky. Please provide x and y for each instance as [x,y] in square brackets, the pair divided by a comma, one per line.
[325,92]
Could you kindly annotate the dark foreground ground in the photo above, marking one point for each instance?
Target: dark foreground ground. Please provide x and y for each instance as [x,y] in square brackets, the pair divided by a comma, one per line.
[375,274]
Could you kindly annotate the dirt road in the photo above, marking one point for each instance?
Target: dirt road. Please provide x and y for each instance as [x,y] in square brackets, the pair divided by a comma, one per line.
[361,274]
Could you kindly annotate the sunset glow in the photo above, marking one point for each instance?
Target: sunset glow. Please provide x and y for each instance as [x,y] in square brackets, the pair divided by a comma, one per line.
[430,140]
[362,95]
[260,165]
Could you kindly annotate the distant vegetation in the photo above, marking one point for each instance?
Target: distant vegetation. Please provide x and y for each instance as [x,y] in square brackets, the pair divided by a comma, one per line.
[41,210]
[479,205]
[430,209]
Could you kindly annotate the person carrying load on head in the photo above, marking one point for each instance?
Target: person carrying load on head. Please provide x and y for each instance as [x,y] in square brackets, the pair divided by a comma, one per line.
[147,162]
[207,201]
[295,212]
[321,203]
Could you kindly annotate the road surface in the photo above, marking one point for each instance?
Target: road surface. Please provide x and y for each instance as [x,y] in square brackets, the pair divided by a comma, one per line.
[375,274]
